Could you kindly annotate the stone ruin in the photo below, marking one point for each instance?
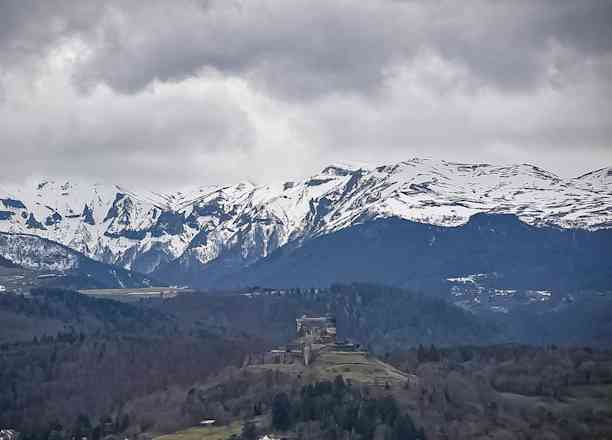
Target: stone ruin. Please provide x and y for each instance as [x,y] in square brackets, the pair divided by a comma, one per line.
[320,330]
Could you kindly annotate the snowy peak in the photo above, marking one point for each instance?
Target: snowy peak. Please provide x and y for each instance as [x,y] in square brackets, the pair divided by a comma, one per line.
[598,179]
[242,223]
[448,193]
[343,169]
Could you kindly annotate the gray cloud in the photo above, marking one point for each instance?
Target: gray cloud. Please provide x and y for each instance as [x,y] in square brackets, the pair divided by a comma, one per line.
[165,134]
[308,48]
[293,48]
[29,28]
[303,47]
[201,91]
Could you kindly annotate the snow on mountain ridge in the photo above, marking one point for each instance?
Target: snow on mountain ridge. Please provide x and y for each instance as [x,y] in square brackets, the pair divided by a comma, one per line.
[597,179]
[143,230]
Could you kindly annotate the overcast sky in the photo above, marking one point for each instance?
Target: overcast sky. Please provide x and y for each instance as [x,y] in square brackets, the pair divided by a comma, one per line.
[166,94]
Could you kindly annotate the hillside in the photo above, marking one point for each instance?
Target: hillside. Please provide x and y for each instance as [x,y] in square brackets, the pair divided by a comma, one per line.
[157,366]
[514,254]
[499,392]
[48,311]
[60,265]
[376,316]
[67,357]
[5,262]
[386,318]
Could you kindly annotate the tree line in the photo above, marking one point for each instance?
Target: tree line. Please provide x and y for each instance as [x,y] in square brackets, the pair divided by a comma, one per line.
[337,410]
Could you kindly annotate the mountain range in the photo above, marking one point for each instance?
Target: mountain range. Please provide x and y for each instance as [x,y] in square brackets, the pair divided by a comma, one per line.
[238,234]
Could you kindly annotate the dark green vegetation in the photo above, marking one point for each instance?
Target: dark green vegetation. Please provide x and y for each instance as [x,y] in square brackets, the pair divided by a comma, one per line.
[404,253]
[387,319]
[585,321]
[73,365]
[462,393]
[380,317]
[50,311]
[70,363]
[334,410]
[511,391]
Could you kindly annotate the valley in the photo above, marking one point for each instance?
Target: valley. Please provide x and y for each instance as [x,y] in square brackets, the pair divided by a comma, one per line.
[470,301]
[161,365]
[305,220]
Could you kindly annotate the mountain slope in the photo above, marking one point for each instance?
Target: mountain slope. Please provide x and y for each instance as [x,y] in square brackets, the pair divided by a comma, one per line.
[401,252]
[107,223]
[222,229]
[4,262]
[71,267]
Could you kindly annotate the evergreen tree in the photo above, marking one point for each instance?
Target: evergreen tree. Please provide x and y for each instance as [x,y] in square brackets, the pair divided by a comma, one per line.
[388,410]
[339,387]
[421,354]
[249,431]
[281,412]
[404,429]
[82,427]
[434,355]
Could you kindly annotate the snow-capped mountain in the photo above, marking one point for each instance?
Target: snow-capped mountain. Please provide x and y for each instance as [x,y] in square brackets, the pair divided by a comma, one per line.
[240,224]
[54,262]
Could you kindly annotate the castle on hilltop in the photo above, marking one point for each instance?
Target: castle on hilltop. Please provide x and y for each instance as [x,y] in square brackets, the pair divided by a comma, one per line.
[313,335]
[316,329]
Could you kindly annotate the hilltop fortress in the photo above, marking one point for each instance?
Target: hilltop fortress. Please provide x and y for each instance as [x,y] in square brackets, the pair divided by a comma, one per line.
[314,334]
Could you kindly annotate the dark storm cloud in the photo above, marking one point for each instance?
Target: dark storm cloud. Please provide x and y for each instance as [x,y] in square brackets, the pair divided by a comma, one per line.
[512,44]
[222,89]
[309,48]
[301,47]
[295,48]
[30,28]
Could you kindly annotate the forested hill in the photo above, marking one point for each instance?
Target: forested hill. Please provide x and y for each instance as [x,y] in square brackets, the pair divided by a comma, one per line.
[403,253]
[49,311]
[388,318]
[107,368]
[374,315]
[71,362]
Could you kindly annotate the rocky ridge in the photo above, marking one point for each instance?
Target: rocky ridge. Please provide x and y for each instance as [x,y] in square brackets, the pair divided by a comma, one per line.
[242,223]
